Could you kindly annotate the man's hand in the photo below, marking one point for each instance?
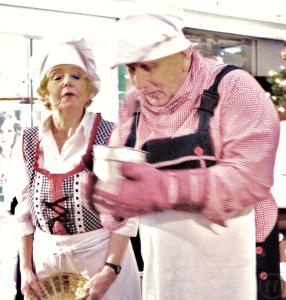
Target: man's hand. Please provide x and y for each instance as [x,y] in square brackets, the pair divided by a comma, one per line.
[145,189]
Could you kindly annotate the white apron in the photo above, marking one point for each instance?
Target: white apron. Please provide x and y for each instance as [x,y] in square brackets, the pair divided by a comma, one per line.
[85,254]
[186,257]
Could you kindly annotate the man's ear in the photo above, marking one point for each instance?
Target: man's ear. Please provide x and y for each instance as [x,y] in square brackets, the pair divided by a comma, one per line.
[187,57]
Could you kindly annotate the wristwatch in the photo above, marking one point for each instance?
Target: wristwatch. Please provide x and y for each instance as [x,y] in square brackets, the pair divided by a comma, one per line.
[116,268]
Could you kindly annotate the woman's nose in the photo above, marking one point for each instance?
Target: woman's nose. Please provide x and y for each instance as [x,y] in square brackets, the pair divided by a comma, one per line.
[67,79]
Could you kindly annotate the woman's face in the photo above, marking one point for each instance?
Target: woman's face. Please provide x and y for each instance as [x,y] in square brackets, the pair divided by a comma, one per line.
[67,88]
[7,133]
[160,79]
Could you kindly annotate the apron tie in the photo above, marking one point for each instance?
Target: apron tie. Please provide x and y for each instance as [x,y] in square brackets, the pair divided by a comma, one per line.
[65,255]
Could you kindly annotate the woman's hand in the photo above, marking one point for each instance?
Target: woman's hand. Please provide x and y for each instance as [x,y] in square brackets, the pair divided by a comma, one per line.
[29,283]
[99,283]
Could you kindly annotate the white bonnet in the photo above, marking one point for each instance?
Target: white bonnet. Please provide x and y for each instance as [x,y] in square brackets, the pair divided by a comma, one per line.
[149,36]
[75,52]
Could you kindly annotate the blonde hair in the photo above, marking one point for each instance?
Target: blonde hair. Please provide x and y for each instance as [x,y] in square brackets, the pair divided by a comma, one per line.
[43,92]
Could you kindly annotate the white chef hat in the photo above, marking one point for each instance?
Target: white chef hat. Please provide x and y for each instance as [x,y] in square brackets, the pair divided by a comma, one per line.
[149,36]
[74,52]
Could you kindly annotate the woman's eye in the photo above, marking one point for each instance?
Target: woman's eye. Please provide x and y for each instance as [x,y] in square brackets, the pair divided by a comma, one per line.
[60,76]
[57,76]
[76,76]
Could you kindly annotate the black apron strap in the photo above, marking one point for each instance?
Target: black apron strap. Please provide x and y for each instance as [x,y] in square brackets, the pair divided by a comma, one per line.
[210,98]
[131,140]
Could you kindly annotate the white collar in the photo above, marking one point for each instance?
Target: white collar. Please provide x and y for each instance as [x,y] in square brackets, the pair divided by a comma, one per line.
[85,124]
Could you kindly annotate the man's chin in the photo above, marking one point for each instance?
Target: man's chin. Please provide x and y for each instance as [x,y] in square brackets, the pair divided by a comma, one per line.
[157,102]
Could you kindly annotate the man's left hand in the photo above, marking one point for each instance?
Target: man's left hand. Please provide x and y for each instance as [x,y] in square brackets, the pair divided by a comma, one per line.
[143,189]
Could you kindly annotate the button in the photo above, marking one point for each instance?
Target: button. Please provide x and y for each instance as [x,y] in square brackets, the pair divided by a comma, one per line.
[263,275]
[259,250]
[199,151]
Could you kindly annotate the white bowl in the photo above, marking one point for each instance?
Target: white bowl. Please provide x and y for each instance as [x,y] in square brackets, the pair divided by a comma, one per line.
[107,160]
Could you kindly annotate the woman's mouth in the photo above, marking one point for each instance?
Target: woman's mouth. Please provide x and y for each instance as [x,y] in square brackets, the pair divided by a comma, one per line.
[68,94]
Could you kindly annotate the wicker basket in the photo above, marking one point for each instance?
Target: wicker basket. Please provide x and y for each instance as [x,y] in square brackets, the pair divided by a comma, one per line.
[61,286]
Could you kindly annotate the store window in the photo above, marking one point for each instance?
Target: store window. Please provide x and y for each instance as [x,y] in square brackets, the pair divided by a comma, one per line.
[18,108]
[226,48]
[13,66]
[15,86]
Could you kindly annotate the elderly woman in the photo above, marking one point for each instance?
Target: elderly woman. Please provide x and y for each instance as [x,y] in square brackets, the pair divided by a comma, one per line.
[58,233]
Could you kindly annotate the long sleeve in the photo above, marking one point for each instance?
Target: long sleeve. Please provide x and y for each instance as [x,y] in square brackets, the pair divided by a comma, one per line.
[249,128]
[278,188]
[245,133]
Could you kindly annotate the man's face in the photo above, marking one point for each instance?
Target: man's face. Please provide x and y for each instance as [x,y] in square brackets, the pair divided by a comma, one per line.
[160,79]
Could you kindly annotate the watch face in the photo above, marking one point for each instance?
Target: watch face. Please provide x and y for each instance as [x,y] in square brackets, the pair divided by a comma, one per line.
[116,268]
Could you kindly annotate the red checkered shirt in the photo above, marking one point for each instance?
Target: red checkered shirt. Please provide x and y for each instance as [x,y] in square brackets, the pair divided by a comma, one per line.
[244,130]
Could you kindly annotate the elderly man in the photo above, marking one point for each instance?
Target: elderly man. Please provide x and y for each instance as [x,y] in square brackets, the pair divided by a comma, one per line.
[204,196]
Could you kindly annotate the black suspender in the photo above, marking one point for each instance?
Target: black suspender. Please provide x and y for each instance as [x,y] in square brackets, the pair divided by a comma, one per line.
[210,98]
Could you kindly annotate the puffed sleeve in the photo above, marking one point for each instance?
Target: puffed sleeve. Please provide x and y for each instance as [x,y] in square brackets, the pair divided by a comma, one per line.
[21,191]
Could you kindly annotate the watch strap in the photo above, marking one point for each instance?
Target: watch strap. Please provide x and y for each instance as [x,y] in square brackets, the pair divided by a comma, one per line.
[116,268]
